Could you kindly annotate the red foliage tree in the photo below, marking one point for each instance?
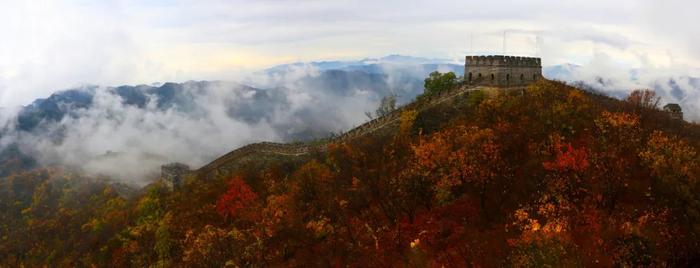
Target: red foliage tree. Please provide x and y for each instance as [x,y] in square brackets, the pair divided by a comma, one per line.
[568,158]
[238,197]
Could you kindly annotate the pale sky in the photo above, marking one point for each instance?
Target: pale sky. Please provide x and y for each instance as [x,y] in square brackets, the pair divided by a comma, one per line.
[52,45]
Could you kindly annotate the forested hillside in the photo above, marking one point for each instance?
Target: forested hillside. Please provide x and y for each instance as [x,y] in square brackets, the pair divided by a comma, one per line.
[550,175]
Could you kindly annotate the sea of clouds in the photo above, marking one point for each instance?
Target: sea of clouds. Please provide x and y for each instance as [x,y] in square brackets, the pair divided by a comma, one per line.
[129,143]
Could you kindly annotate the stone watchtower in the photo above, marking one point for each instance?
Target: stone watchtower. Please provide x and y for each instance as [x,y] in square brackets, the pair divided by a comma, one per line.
[674,110]
[173,174]
[501,71]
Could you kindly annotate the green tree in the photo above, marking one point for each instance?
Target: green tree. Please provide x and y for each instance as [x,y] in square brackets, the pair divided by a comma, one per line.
[438,82]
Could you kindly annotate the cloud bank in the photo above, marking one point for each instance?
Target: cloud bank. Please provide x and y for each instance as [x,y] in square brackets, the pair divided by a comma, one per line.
[126,133]
[606,74]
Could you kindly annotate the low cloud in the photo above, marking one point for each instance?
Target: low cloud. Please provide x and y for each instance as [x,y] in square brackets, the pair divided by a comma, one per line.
[608,75]
[199,121]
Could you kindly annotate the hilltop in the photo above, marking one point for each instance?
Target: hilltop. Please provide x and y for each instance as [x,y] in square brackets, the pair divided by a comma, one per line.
[546,175]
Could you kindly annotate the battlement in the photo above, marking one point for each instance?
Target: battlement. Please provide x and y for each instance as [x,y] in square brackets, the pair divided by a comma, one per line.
[501,60]
[501,71]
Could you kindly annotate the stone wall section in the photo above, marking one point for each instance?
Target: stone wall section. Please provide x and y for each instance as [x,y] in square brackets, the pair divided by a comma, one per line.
[506,72]
[297,149]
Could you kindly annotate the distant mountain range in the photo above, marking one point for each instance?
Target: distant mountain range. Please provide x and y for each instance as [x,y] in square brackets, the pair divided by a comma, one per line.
[337,77]
[378,65]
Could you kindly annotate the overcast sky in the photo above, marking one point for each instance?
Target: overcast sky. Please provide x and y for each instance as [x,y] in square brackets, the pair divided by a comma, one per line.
[51,45]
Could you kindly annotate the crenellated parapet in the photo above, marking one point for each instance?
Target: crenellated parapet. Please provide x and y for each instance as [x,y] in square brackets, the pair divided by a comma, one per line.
[504,61]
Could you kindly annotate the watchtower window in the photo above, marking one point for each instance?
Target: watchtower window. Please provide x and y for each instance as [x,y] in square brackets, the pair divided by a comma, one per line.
[479,76]
[470,77]
[522,77]
[493,77]
[507,77]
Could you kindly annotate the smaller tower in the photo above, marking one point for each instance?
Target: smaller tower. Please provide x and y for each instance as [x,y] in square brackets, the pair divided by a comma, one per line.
[173,174]
[674,110]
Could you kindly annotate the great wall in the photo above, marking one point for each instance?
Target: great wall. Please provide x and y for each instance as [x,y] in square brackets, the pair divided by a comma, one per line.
[500,68]
[298,149]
